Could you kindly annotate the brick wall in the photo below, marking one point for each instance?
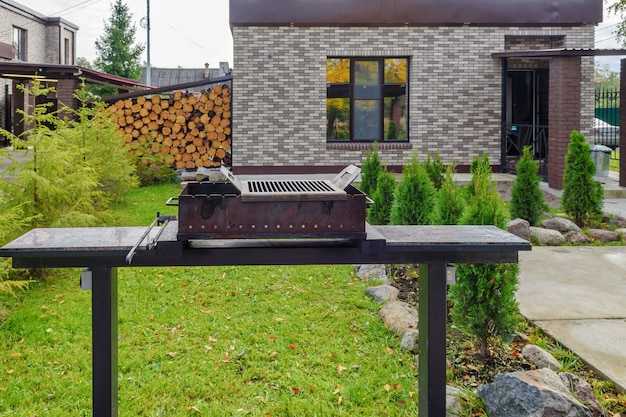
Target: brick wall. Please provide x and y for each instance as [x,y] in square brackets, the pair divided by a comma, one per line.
[454,98]
[564,113]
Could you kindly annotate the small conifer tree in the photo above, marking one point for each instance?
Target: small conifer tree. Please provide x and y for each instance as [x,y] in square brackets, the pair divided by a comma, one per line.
[582,196]
[484,295]
[434,167]
[380,212]
[414,198]
[450,202]
[370,170]
[527,200]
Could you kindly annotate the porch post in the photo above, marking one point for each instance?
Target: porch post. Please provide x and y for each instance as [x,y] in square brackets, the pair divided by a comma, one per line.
[622,122]
[503,162]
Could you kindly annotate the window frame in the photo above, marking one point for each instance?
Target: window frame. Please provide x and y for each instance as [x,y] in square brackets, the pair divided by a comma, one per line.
[20,36]
[347,91]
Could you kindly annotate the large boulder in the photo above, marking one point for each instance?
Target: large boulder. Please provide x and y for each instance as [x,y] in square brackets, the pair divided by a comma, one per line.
[536,393]
[577,238]
[519,227]
[583,393]
[382,293]
[399,316]
[560,224]
[546,237]
[603,236]
[372,272]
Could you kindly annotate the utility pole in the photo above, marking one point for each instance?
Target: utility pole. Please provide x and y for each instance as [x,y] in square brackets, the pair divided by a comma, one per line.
[148,78]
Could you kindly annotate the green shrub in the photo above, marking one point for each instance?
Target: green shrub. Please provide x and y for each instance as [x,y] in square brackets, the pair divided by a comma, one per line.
[484,295]
[414,198]
[434,168]
[450,203]
[582,196]
[527,200]
[380,212]
[370,170]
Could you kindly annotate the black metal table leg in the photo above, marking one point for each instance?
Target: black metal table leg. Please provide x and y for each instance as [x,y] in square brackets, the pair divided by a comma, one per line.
[432,340]
[104,341]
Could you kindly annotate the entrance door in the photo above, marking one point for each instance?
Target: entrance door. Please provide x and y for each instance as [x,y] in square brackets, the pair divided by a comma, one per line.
[527,115]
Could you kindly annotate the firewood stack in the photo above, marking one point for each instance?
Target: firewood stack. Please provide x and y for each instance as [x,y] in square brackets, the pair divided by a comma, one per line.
[187,131]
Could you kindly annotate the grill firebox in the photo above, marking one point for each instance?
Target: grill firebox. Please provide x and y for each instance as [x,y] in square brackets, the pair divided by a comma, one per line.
[272,209]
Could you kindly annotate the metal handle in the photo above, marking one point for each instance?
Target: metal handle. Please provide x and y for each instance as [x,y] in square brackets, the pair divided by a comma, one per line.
[169,201]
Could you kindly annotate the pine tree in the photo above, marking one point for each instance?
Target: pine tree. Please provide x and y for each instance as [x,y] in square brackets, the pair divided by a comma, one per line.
[434,167]
[484,295]
[414,198]
[116,51]
[582,196]
[527,200]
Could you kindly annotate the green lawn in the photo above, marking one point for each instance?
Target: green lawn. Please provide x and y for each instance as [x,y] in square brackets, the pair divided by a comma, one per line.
[219,341]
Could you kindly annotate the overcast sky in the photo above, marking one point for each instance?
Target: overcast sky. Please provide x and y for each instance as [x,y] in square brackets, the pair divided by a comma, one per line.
[183,33]
[188,33]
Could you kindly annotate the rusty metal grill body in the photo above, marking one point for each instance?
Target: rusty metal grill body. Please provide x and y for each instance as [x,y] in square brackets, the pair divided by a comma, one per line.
[271,209]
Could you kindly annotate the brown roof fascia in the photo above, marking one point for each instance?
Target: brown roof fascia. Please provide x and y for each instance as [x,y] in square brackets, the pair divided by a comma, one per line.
[549,53]
[414,12]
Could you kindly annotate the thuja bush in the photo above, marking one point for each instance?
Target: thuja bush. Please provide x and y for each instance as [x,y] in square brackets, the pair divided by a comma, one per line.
[527,200]
[380,212]
[483,298]
[370,170]
[450,202]
[434,168]
[582,196]
[414,197]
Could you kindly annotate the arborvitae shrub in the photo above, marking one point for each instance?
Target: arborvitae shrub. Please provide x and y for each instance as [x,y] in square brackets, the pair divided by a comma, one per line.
[370,170]
[380,212]
[450,202]
[414,198]
[582,195]
[434,168]
[483,297]
[527,200]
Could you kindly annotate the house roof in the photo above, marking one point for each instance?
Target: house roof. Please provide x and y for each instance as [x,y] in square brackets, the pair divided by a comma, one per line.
[34,15]
[414,12]
[27,70]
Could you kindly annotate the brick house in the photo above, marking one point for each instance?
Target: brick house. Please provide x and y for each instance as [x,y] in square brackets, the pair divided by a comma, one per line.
[317,83]
[27,36]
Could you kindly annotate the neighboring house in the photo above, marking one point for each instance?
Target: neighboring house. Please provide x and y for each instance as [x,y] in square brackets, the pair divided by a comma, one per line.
[28,36]
[317,82]
[163,77]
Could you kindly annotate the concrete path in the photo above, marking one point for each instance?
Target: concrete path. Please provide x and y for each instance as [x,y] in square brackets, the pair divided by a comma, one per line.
[577,295]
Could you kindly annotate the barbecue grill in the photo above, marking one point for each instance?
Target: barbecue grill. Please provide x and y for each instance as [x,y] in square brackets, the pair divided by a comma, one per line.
[272,208]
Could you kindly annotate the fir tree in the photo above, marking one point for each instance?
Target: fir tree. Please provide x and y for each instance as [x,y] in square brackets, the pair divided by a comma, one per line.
[380,212]
[450,202]
[527,200]
[370,170]
[484,295]
[582,196]
[414,198]
[434,168]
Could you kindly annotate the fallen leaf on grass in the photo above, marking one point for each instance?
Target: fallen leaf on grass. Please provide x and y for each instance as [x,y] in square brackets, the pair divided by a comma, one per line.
[387,387]
[292,346]
[389,350]
[212,339]
[296,390]
[171,354]
[341,369]
[194,409]
[273,354]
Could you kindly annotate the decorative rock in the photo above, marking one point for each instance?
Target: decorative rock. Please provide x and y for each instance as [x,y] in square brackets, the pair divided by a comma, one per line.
[399,316]
[576,237]
[583,392]
[519,227]
[540,357]
[603,235]
[537,393]
[618,221]
[621,231]
[382,293]
[372,272]
[547,237]
[454,406]
[560,224]
[409,342]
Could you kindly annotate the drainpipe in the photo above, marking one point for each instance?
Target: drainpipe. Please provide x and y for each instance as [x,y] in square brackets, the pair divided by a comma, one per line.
[503,167]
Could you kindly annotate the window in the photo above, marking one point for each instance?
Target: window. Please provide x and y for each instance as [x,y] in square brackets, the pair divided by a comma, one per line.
[366,99]
[19,43]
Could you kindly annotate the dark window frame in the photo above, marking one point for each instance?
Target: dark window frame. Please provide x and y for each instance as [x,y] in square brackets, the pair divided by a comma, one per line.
[20,36]
[346,90]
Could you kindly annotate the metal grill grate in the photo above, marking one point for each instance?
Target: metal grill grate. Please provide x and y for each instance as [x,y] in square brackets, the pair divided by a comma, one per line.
[288,186]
